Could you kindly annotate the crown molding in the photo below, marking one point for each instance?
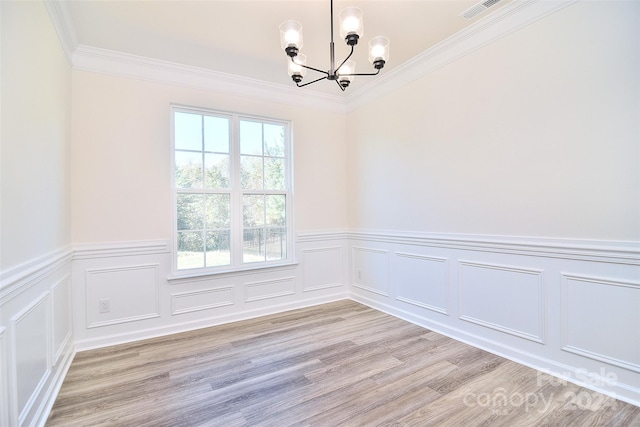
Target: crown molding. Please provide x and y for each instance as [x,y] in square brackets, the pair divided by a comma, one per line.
[63,24]
[97,60]
[500,23]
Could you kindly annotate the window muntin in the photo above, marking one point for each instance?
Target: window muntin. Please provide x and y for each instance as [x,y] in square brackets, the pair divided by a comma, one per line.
[231,187]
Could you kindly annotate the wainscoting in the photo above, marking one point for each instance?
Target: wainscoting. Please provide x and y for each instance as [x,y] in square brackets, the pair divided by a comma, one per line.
[36,345]
[570,308]
[124,291]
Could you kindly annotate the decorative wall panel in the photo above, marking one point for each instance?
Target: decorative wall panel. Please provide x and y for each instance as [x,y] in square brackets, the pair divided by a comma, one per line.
[322,268]
[61,312]
[422,281]
[187,302]
[266,289]
[504,298]
[601,319]
[31,344]
[131,294]
[370,270]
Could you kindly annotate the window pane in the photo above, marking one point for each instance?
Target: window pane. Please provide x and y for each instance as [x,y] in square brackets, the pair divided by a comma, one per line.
[223,162]
[218,248]
[190,211]
[253,245]
[218,213]
[190,250]
[216,134]
[217,170]
[188,131]
[274,140]
[251,172]
[188,170]
[273,173]
[250,138]
[276,212]
[276,243]
[253,210]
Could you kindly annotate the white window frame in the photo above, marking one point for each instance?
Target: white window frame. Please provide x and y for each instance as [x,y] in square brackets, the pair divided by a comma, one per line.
[236,193]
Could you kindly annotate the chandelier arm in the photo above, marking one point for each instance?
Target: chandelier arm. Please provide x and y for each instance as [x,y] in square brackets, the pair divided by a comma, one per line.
[345,60]
[340,86]
[362,74]
[313,81]
[308,68]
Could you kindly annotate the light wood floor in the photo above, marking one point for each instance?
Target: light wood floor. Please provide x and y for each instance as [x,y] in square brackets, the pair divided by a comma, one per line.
[339,364]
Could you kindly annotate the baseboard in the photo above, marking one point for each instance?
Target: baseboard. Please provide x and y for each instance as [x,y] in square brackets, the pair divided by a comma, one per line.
[105,341]
[623,392]
[54,388]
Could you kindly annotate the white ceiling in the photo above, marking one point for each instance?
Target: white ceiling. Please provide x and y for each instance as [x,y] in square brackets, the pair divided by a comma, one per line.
[241,37]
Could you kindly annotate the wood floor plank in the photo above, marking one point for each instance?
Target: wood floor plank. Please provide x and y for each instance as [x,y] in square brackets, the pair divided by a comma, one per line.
[338,364]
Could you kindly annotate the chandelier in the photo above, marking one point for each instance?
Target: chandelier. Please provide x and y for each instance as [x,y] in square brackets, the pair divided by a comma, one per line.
[351,29]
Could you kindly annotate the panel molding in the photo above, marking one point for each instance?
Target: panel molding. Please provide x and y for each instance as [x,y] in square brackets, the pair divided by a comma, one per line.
[26,287]
[264,283]
[4,383]
[58,352]
[121,249]
[321,235]
[21,277]
[39,387]
[305,268]
[616,252]
[386,280]
[177,295]
[126,319]
[445,261]
[502,328]
[565,319]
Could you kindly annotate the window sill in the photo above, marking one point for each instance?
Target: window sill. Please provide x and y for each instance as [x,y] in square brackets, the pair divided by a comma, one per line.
[191,276]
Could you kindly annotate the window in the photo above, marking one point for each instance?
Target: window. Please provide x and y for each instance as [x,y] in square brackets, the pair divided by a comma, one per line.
[232,188]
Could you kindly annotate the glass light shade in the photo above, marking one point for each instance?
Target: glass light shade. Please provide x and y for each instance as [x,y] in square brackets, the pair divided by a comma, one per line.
[295,69]
[379,49]
[291,34]
[351,22]
[348,67]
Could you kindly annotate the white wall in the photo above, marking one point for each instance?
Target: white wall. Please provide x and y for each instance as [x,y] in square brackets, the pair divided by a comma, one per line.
[121,154]
[497,199]
[36,88]
[35,259]
[535,134]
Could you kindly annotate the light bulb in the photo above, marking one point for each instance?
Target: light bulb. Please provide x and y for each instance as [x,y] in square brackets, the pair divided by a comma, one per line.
[377,51]
[351,24]
[292,37]
[348,67]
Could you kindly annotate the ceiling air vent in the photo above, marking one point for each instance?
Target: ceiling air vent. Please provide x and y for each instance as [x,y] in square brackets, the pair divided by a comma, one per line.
[478,8]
